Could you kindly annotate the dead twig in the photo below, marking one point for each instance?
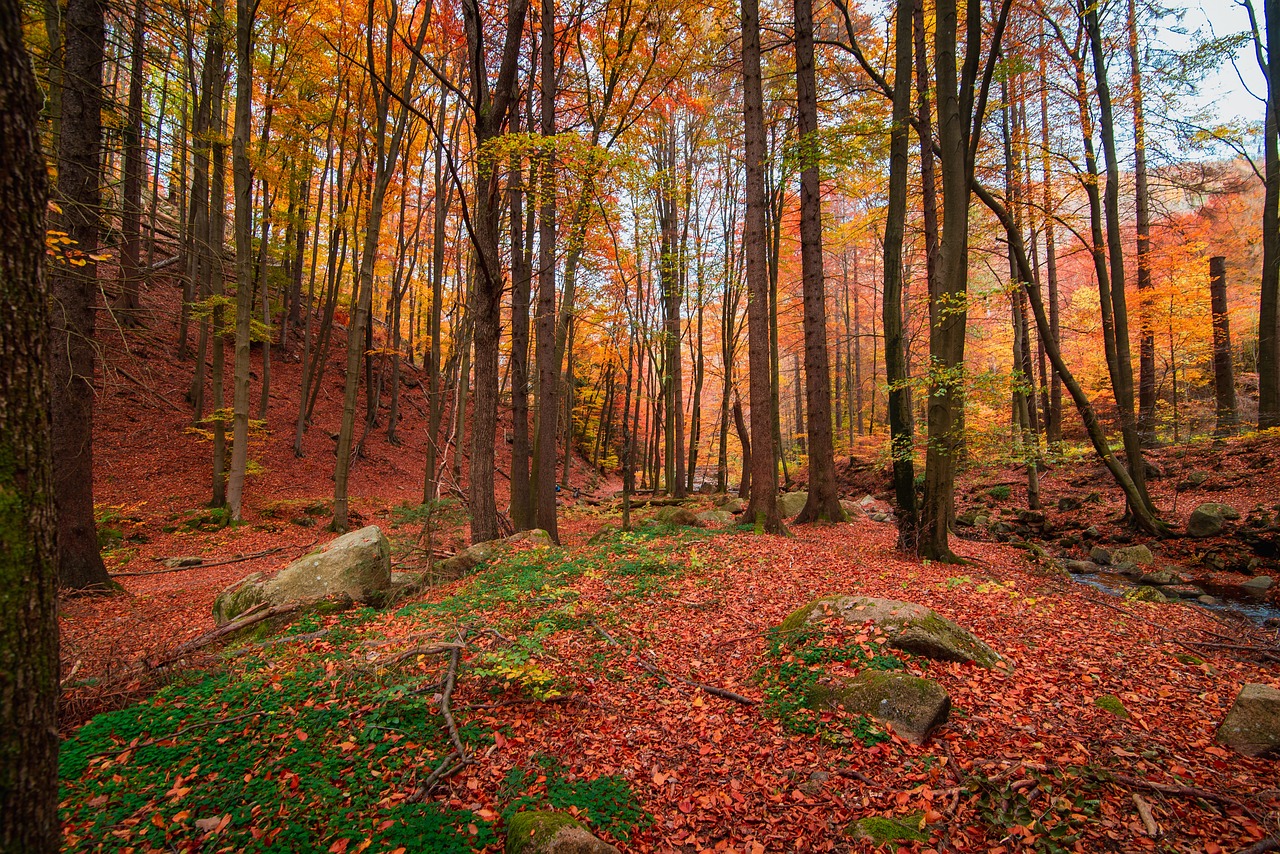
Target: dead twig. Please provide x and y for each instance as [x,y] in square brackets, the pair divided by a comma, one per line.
[655,671]
[1165,788]
[1270,844]
[457,758]
[1144,813]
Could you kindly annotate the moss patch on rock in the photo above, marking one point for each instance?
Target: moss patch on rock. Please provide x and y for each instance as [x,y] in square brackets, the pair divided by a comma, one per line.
[549,832]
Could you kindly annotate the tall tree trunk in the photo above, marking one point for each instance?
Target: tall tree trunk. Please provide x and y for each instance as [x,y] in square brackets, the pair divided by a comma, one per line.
[1269,299]
[126,304]
[489,103]
[74,291]
[28,523]
[1224,381]
[1142,221]
[521,282]
[901,427]
[242,180]
[548,360]
[762,509]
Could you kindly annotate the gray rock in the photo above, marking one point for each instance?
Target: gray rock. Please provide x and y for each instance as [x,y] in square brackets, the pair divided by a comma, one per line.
[1098,554]
[715,518]
[851,509]
[605,533]
[1130,571]
[547,832]
[1252,726]
[356,566]
[179,562]
[1207,600]
[910,627]
[981,521]
[733,505]
[1258,584]
[1091,533]
[791,503]
[1162,577]
[1081,567]
[1182,591]
[467,560]
[1210,518]
[914,707]
[1193,480]
[1139,554]
[682,516]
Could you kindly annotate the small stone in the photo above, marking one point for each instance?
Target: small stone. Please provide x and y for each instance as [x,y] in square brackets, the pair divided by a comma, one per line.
[1207,600]
[1161,577]
[1081,567]
[1098,554]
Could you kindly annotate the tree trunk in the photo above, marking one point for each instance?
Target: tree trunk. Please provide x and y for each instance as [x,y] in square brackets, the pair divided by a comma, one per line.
[1142,216]
[548,360]
[901,428]
[762,509]
[28,522]
[521,279]
[1224,381]
[74,291]
[126,304]
[242,179]
[1269,299]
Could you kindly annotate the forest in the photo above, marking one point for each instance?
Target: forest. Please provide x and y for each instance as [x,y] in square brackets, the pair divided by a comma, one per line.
[624,425]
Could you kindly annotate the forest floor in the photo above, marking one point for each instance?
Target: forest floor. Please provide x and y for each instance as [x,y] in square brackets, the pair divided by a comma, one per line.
[575,680]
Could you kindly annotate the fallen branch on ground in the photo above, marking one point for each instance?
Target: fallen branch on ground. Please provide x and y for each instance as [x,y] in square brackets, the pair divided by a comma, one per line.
[253,616]
[202,564]
[654,670]
[457,758]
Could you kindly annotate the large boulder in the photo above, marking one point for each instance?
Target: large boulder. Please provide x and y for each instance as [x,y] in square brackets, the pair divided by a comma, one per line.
[680,516]
[791,503]
[1209,519]
[910,627]
[548,832]
[465,561]
[732,504]
[355,566]
[913,706]
[715,518]
[1252,726]
[1139,555]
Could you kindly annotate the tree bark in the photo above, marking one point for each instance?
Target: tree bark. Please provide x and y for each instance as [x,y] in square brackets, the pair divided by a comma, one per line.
[28,523]
[1224,382]
[1269,299]
[74,290]
[762,509]
[548,359]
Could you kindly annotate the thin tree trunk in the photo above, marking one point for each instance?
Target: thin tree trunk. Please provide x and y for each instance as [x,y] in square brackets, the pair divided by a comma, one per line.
[126,304]
[1224,381]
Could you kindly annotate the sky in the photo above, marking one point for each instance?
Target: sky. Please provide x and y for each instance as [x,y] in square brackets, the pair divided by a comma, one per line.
[1225,88]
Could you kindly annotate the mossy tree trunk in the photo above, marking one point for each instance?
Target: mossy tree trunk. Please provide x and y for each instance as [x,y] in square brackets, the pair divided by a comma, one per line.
[28,574]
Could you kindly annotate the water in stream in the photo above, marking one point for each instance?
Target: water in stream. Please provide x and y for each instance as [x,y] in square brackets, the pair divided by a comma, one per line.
[1256,611]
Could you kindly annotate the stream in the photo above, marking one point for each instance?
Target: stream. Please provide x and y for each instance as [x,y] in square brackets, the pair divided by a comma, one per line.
[1257,611]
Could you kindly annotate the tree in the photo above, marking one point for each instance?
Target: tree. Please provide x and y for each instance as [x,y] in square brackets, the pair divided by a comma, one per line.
[1269,298]
[823,502]
[901,428]
[548,362]
[962,102]
[28,525]
[74,288]
[762,508]
[489,102]
[242,178]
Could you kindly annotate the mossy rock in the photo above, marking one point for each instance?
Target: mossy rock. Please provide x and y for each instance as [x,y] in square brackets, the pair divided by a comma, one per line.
[465,561]
[604,535]
[791,503]
[914,706]
[884,829]
[1111,703]
[715,518]
[1252,726]
[1139,555]
[1147,594]
[548,832]
[677,516]
[911,628]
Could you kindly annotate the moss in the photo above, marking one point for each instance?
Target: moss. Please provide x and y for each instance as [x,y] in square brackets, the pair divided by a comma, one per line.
[529,832]
[881,829]
[1188,658]
[1112,704]
[799,618]
[1146,594]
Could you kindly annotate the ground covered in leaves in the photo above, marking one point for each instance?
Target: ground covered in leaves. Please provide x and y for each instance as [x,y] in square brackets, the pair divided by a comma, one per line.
[578,686]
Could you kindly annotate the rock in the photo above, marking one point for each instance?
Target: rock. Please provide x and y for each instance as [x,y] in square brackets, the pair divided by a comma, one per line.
[1252,726]
[1111,703]
[981,521]
[356,566]
[1210,518]
[1130,571]
[468,559]
[179,562]
[548,832]
[881,829]
[1154,470]
[1258,584]
[1161,577]
[914,707]
[1091,533]
[1068,503]
[733,505]
[851,509]
[715,518]
[791,503]
[1146,594]
[605,533]
[681,516]
[1193,480]
[1207,600]
[816,781]
[910,627]
[1098,554]
[1139,554]
[1081,567]
[1182,591]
